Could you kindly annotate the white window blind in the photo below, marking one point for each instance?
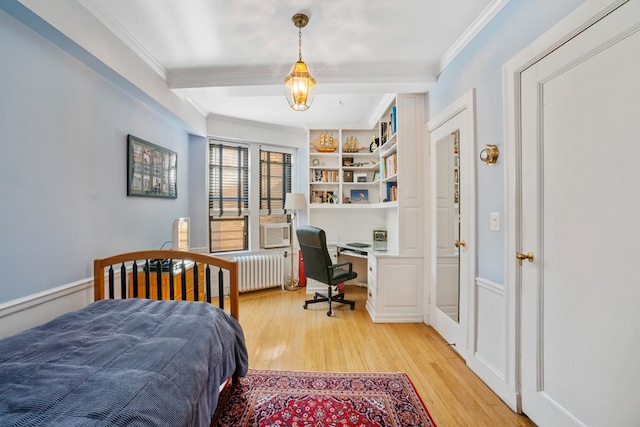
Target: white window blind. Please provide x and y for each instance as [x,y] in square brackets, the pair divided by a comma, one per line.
[228,180]
[275,181]
[228,197]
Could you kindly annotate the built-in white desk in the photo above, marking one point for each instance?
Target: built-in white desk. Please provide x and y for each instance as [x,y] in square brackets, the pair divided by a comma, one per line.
[359,258]
[393,282]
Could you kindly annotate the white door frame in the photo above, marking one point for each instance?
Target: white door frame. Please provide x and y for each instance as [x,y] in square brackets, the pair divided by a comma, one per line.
[467,284]
[583,17]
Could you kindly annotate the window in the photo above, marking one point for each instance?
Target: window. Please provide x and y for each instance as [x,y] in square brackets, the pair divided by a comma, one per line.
[235,191]
[275,183]
[228,197]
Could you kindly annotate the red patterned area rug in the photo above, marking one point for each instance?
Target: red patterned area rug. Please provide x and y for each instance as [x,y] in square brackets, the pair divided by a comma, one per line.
[319,399]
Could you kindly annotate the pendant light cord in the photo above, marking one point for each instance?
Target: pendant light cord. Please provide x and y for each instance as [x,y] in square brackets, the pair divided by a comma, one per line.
[300,43]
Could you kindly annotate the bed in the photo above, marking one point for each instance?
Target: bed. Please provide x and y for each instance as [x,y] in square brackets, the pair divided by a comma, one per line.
[132,357]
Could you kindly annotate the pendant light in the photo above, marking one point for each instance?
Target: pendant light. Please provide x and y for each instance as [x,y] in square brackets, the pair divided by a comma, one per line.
[299,84]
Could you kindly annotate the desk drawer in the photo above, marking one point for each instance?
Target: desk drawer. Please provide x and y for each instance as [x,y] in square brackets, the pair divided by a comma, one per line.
[373,264]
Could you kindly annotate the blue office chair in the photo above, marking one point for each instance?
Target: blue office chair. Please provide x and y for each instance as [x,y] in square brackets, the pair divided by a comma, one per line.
[318,266]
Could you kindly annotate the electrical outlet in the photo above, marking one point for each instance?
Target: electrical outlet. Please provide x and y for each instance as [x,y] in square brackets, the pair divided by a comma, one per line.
[495,221]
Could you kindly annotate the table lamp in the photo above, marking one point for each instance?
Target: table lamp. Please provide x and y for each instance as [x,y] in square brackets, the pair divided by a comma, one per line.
[293,202]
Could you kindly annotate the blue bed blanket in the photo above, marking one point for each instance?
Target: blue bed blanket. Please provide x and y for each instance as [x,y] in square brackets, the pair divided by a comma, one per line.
[121,363]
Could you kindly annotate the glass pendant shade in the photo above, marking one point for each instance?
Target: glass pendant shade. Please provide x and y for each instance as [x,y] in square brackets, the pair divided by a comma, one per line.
[299,87]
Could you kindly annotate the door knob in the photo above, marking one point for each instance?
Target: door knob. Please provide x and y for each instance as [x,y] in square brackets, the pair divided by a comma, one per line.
[521,257]
[460,243]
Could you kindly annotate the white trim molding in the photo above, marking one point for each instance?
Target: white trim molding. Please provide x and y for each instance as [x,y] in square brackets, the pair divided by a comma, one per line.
[476,26]
[33,310]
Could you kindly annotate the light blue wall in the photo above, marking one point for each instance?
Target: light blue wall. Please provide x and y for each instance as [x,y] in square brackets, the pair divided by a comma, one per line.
[198,194]
[479,66]
[63,129]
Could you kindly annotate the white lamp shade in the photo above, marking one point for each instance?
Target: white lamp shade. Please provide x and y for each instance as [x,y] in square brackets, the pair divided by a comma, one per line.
[295,201]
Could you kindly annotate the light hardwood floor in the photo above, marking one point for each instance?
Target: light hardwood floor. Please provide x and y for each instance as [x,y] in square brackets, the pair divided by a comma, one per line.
[280,334]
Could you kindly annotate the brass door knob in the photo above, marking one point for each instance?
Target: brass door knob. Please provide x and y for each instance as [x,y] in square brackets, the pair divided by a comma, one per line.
[521,257]
[460,243]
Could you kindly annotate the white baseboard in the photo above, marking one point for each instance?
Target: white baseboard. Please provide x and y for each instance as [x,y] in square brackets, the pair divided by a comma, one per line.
[495,381]
[33,310]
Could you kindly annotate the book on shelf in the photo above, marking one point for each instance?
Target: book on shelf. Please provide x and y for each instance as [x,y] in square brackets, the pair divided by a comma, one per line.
[321,175]
[392,192]
[393,119]
[389,166]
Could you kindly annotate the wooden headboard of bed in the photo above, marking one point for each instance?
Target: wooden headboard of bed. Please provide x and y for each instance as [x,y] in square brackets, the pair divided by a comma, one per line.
[182,276]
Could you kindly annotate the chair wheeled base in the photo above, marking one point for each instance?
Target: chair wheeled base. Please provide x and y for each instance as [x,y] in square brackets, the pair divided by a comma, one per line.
[318,297]
[319,266]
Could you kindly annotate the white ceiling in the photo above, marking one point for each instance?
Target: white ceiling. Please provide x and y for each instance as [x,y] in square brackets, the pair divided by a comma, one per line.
[230,57]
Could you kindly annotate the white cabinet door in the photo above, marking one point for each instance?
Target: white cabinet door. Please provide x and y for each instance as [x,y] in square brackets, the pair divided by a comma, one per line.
[398,290]
[579,219]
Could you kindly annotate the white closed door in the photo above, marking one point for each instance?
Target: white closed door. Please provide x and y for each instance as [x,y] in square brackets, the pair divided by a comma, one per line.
[579,220]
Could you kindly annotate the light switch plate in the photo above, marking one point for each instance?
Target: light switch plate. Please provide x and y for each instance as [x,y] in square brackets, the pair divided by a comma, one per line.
[495,221]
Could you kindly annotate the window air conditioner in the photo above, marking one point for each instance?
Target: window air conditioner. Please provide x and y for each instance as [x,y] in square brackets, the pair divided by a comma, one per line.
[274,235]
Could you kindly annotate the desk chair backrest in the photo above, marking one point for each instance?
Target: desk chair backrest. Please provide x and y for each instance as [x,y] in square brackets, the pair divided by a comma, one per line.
[313,244]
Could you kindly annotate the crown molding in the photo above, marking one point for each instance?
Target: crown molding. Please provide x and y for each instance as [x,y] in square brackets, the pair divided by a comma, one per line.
[105,17]
[232,76]
[476,26]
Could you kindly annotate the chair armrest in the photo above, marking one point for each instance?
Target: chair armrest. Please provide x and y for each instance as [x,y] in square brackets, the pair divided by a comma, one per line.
[334,266]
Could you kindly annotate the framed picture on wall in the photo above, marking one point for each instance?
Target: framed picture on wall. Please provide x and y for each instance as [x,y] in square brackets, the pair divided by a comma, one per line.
[152,171]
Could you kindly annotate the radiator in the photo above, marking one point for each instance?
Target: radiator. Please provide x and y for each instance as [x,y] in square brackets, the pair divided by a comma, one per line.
[260,271]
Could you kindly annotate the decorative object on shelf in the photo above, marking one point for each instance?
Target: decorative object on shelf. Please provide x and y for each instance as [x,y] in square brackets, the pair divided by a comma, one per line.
[347,161]
[379,240]
[489,154]
[322,197]
[360,177]
[293,202]
[326,143]
[299,84]
[383,133]
[376,176]
[348,176]
[359,196]
[315,162]
[351,145]
[374,143]
[327,197]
